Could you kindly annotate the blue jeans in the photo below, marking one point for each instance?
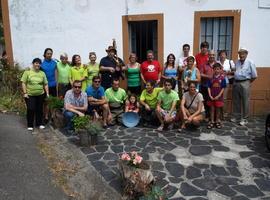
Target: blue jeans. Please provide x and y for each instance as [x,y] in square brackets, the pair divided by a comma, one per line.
[69,116]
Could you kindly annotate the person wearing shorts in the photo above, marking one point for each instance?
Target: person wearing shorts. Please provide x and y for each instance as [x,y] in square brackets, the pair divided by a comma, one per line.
[166,106]
[216,88]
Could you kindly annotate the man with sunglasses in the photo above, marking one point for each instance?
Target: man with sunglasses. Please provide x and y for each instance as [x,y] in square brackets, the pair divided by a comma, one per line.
[75,103]
[96,100]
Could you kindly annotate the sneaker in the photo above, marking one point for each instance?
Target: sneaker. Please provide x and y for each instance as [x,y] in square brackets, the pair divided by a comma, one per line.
[41,127]
[243,122]
[30,129]
[233,120]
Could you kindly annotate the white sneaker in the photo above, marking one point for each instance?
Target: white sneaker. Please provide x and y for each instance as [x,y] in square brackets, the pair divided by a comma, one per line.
[41,127]
[30,129]
[233,120]
[243,122]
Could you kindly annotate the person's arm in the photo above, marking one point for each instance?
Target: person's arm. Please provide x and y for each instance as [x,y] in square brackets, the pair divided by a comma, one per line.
[46,88]
[209,93]
[70,77]
[73,109]
[163,73]
[159,74]
[253,72]
[159,105]
[172,107]
[25,95]
[56,79]
[198,111]
[138,108]
[94,101]
[126,106]
[183,109]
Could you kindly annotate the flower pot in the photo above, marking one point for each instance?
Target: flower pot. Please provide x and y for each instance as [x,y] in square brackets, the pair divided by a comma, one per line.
[93,139]
[58,120]
[136,181]
[84,137]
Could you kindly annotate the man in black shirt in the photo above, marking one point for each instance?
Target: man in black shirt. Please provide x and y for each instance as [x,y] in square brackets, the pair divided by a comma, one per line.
[110,68]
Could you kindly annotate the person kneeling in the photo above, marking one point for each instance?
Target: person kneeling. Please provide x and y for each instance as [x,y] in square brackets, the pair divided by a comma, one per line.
[75,103]
[165,110]
[192,109]
[115,97]
[97,102]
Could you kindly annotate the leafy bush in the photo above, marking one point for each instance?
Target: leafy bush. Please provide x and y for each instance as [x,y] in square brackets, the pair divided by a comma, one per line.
[94,128]
[81,122]
[156,193]
[55,102]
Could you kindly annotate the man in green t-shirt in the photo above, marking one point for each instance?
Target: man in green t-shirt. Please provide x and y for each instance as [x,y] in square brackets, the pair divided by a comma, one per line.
[148,100]
[165,110]
[116,97]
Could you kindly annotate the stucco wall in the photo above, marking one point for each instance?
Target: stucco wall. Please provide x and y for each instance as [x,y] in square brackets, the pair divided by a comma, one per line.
[80,26]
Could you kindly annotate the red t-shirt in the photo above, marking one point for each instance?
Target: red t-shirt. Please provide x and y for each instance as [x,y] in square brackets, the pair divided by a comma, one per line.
[201,60]
[206,69]
[150,70]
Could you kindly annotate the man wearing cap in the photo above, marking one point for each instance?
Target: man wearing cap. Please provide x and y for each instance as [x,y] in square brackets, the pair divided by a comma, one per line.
[110,67]
[150,69]
[245,74]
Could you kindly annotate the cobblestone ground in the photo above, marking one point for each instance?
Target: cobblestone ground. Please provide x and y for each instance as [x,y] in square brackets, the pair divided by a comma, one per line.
[231,163]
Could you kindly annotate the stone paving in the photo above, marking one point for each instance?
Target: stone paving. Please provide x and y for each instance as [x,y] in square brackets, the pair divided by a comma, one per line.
[228,163]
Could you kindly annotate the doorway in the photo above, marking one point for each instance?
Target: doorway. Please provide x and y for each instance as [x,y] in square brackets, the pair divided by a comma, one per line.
[142,37]
[142,33]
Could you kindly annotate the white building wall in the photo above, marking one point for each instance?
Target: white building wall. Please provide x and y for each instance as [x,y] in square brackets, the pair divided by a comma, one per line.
[80,26]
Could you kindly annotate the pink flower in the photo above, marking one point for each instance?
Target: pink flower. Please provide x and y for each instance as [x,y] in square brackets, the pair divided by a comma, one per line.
[138,159]
[125,156]
[134,153]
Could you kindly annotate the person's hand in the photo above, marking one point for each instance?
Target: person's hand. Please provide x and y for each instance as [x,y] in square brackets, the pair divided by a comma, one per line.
[47,95]
[158,81]
[190,119]
[216,98]
[158,108]
[147,107]
[167,117]
[117,68]
[81,114]
[25,96]
[211,98]
[112,70]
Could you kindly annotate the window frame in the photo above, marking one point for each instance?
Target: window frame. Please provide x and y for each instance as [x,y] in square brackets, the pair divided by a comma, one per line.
[236,14]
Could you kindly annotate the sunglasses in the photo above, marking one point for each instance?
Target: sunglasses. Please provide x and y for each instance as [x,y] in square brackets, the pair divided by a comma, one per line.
[167,84]
[96,81]
[79,87]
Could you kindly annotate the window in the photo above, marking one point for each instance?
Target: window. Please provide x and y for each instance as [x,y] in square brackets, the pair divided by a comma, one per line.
[218,33]
[220,28]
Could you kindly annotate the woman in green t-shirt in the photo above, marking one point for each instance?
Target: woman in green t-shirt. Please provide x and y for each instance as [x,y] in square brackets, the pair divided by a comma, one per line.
[133,75]
[92,68]
[34,82]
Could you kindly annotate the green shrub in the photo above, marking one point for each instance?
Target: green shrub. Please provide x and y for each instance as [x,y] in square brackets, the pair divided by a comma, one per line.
[55,102]
[81,122]
[156,193]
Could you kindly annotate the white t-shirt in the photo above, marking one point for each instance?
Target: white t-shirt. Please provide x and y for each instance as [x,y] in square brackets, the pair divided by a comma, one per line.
[194,107]
[182,62]
[228,66]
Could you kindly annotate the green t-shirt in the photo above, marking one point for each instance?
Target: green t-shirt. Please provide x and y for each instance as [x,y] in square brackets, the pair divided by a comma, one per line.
[118,96]
[34,81]
[150,99]
[78,74]
[167,99]
[133,76]
[63,72]
[93,70]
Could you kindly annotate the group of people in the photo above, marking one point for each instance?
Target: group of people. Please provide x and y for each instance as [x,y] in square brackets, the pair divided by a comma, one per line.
[153,91]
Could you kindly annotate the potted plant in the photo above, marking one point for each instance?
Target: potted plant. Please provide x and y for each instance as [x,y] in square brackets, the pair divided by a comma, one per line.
[80,124]
[136,174]
[93,130]
[56,105]
[155,193]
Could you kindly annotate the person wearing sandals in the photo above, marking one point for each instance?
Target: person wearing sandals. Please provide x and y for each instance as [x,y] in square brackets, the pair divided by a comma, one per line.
[216,87]
[166,111]
[192,108]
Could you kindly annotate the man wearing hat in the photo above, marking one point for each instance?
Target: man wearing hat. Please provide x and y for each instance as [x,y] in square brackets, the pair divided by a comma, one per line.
[245,74]
[110,67]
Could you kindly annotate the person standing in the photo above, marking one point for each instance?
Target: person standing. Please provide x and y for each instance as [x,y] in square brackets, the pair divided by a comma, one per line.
[245,74]
[133,75]
[110,68]
[202,57]
[206,75]
[182,64]
[170,71]
[48,66]
[78,71]
[63,72]
[34,84]
[92,68]
[150,69]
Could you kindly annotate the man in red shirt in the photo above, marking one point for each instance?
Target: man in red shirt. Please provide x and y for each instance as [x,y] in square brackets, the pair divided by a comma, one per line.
[202,57]
[150,69]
